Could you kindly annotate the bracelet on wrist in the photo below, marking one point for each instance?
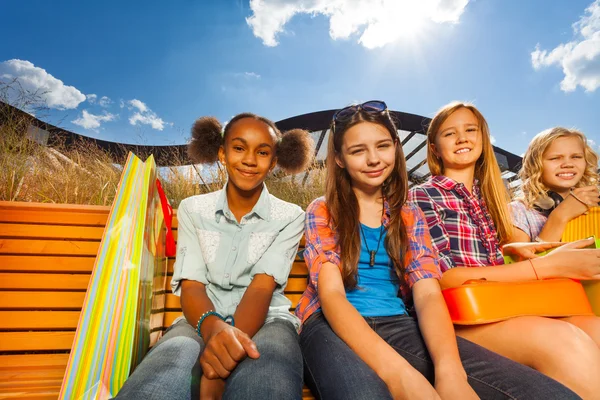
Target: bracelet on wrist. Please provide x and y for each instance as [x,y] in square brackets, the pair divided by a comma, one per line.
[228,320]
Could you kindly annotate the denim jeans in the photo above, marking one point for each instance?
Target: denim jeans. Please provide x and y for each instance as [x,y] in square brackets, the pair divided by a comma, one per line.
[334,371]
[171,369]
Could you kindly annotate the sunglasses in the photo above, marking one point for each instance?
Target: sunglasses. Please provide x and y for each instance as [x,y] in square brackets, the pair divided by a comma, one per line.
[370,107]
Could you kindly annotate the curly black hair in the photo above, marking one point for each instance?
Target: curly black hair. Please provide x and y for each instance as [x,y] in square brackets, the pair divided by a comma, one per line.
[294,148]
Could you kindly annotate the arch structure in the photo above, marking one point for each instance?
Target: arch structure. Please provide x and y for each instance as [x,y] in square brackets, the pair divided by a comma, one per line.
[411,129]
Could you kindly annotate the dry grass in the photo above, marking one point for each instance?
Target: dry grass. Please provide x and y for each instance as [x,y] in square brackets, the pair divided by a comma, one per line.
[85,174]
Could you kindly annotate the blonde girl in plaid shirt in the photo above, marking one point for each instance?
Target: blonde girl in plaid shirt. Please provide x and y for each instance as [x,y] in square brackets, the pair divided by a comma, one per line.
[461,159]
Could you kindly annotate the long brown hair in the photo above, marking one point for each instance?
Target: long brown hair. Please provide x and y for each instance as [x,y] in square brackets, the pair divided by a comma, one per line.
[493,191]
[343,204]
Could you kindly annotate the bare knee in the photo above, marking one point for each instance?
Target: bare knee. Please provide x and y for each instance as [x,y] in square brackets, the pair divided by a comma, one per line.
[570,356]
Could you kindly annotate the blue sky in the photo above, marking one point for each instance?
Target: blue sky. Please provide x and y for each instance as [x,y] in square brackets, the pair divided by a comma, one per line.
[528,65]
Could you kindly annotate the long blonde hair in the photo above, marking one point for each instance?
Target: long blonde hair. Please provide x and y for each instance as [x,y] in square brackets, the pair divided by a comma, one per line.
[343,207]
[531,171]
[493,191]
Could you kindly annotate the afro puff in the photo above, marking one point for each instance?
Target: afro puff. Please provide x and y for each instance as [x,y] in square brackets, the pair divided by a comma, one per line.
[206,140]
[295,151]
[294,148]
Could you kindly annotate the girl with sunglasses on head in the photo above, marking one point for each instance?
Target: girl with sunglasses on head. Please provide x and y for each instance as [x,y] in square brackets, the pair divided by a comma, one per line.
[237,338]
[559,176]
[364,245]
[466,206]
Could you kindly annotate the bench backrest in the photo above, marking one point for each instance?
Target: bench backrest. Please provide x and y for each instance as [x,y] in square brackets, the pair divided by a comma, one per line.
[47,253]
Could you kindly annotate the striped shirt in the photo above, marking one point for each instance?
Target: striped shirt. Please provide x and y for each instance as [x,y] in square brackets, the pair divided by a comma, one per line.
[461,226]
[322,247]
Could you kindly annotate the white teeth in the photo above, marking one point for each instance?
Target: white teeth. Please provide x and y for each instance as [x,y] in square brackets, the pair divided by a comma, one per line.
[462,151]
[569,174]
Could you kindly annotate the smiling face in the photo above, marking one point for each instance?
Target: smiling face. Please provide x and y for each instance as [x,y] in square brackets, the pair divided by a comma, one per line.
[458,143]
[563,164]
[368,155]
[248,154]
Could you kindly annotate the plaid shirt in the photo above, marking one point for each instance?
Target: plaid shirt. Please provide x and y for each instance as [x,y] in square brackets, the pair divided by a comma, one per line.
[527,219]
[322,246]
[461,226]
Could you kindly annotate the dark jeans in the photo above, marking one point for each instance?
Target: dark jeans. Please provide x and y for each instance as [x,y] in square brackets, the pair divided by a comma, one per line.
[171,370]
[334,371]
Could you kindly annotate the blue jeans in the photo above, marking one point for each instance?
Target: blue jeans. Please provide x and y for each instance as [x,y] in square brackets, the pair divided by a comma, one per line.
[171,369]
[334,371]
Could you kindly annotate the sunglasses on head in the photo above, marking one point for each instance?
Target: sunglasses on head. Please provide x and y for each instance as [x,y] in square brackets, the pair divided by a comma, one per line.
[371,107]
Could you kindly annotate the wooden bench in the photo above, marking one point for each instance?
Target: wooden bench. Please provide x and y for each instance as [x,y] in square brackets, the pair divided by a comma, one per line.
[47,253]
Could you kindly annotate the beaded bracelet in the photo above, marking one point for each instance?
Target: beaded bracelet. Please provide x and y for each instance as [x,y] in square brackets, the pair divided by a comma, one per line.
[228,320]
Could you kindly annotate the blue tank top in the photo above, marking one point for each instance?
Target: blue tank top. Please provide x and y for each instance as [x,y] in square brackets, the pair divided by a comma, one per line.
[376,294]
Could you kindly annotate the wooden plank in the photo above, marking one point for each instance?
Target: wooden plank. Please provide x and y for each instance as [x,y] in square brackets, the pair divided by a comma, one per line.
[38,320]
[171,316]
[32,373]
[36,341]
[25,281]
[45,391]
[11,362]
[53,207]
[59,218]
[30,300]
[49,247]
[61,232]
[35,263]
[299,268]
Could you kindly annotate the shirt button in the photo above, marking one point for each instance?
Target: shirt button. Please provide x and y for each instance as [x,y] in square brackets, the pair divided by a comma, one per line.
[234,248]
[226,275]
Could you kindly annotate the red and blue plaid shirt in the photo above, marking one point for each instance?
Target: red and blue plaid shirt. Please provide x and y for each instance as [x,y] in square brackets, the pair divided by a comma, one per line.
[322,246]
[459,222]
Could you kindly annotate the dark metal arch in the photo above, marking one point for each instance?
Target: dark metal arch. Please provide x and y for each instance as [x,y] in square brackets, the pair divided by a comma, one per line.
[416,125]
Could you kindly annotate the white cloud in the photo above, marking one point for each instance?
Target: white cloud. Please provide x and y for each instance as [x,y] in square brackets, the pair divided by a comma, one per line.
[104,101]
[91,98]
[36,80]
[91,121]
[145,116]
[378,22]
[492,139]
[250,75]
[580,58]
[138,104]
[121,103]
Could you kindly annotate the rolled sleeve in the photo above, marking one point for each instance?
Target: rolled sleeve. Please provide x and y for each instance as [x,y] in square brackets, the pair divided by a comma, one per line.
[189,263]
[421,262]
[437,230]
[277,260]
[321,242]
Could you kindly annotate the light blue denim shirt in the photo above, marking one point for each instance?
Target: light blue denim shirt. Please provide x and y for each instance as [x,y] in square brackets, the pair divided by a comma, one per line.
[213,248]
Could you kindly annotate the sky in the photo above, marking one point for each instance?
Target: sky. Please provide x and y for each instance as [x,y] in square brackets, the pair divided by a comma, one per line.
[142,72]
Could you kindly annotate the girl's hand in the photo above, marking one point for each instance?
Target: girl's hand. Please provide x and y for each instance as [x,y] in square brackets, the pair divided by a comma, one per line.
[211,389]
[410,384]
[454,386]
[571,261]
[226,346]
[572,208]
[526,250]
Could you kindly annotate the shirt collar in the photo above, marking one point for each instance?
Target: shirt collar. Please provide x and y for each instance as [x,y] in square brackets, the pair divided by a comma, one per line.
[262,208]
[446,183]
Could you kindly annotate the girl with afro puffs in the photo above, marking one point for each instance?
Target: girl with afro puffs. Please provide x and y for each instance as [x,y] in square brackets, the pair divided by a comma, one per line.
[236,338]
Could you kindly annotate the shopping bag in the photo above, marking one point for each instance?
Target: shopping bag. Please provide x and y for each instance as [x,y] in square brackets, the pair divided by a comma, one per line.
[122,311]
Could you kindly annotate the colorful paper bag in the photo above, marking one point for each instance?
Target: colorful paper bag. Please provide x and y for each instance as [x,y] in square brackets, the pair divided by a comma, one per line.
[122,312]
